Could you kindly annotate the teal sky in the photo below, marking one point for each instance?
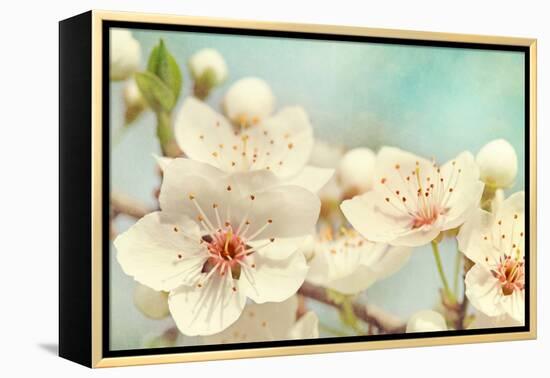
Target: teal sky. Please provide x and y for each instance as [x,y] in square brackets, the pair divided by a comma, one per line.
[433,101]
[436,102]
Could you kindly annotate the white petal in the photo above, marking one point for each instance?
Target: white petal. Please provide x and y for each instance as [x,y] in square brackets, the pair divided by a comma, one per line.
[483,291]
[312,178]
[283,142]
[472,234]
[372,217]
[318,273]
[279,248]
[426,321]
[278,211]
[158,256]
[360,279]
[389,158]
[274,280]
[386,260]
[199,131]
[325,155]
[307,327]
[293,211]
[151,303]
[511,214]
[209,309]
[514,305]
[259,322]
[462,175]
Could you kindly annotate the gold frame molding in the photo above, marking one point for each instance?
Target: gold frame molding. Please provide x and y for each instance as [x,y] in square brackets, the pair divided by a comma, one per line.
[99,16]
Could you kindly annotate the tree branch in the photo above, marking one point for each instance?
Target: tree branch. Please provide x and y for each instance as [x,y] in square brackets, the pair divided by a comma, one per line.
[384,322]
[122,204]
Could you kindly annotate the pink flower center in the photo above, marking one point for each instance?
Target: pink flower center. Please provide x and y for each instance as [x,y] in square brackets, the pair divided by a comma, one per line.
[511,275]
[227,252]
[423,194]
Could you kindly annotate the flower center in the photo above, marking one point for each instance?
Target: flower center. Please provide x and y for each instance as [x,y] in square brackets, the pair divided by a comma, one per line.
[422,194]
[511,275]
[227,252]
[230,248]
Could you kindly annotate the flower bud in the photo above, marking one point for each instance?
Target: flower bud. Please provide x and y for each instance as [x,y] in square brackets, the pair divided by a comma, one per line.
[210,63]
[134,101]
[426,321]
[125,54]
[325,155]
[249,101]
[153,304]
[498,164]
[356,171]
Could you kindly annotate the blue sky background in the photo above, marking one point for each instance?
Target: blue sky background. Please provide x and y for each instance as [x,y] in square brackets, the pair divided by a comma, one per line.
[436,102]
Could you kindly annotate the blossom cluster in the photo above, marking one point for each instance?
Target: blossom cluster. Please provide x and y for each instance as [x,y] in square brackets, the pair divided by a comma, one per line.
[253,206]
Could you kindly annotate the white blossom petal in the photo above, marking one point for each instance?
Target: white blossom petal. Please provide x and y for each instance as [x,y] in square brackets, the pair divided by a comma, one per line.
[199,132]
[278,248]
[151,303]
[426,321]
[208,309]
[281,144]
[307,327]
[157,255]
[289,141]
[274,280]
[483,290]
[467,189]
[312,178]
[472,234]
[260,322]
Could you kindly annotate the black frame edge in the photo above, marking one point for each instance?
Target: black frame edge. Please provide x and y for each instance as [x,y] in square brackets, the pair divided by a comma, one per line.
[75,194]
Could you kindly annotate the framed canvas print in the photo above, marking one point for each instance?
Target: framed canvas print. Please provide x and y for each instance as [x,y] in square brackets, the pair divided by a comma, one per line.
[236,189]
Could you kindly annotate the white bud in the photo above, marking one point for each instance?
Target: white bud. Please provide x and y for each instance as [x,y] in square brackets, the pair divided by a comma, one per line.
[325,155]
[249,101]
[133,96]
[308,247]
[356,170]
[498,164]
[125,54]
[208,60]
[426,321]
[153,304]
[134,101]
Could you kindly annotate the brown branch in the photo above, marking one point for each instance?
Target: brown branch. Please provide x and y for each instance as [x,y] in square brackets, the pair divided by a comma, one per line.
[122,204]
[384,322]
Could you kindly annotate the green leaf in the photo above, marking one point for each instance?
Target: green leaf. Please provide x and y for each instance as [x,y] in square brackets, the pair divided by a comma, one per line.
[164,65]
[157,94]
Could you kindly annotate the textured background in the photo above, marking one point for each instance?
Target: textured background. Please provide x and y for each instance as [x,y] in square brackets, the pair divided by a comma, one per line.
[436,102]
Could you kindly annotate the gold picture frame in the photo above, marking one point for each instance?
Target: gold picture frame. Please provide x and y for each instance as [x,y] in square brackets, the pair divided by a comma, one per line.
[93,24]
